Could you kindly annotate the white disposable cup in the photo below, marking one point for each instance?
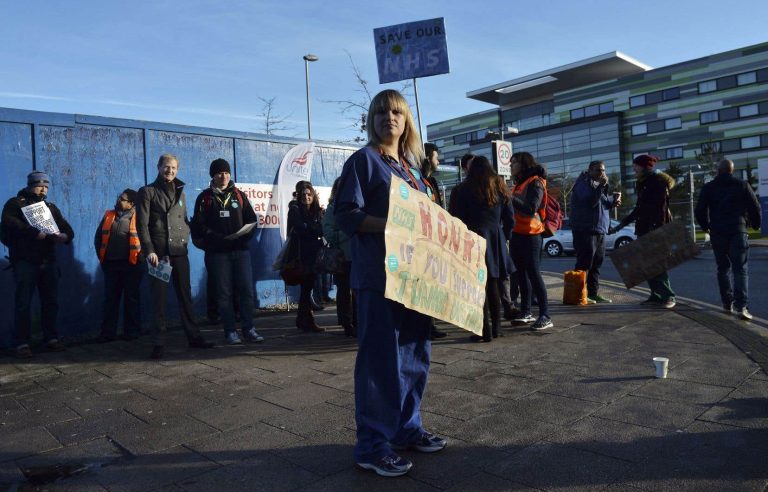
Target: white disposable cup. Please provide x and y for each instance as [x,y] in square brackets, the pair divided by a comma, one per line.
[662,366]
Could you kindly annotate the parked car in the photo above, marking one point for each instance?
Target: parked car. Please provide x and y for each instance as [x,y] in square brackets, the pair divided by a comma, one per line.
[562,241]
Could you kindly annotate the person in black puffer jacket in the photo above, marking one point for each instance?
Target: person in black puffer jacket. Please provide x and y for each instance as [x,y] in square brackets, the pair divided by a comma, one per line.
[220,211]
[306,228]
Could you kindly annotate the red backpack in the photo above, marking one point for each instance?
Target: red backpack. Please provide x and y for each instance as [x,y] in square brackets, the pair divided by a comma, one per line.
[553,216]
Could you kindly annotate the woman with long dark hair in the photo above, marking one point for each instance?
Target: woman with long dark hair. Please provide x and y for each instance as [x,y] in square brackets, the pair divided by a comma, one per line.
[394,349]
[306,228]
[529,201]
[484,205]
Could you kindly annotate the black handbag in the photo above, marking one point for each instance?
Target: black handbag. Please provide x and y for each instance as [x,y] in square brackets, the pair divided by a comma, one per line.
[289,261]
[331,260]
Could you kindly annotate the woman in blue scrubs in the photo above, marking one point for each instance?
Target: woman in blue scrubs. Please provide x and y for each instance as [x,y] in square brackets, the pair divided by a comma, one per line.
[394,349]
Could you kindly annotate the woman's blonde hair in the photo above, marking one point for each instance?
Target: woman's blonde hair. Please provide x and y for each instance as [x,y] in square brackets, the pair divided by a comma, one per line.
[410,143]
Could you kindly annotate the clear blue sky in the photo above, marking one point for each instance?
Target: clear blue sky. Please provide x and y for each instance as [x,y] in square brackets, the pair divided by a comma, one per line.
[206,62]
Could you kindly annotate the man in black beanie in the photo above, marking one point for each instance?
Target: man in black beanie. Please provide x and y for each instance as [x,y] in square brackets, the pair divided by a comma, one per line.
[220,212]
[33,258]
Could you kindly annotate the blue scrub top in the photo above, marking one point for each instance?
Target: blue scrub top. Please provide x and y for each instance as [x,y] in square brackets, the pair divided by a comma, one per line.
[364,190]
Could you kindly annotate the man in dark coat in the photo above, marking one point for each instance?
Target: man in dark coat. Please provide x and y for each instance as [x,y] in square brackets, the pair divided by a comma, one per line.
[32,252]
[164,233]
[220,212]
[590,220]
[727,206]
[651,212]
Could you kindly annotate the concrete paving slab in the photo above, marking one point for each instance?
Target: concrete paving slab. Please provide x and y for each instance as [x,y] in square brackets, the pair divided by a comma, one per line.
[658,414]
[502,386]
[576,469]
[596,389]
[336,447]
[152,471]
[264,471]
[462,458]
[460,404]
[682,391]
[237,445]
[355,479]
[21,442]
[619,440]
[550,408]
[706,457]
[237,413]
[314,420]
[301,395]
[485,482]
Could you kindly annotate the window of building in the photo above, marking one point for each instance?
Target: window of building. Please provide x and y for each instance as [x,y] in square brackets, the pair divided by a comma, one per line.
[606,107]
[577,113]
[750,142]
[672,124]
[653,98]
[593,110]
[708,86]
[728,114]
[671,93]
[746,78]
[656,126]
[748,110]
[709,117]
[730,145]
[728,82]
[673,153]
[640,129]
[460,139]
[635,101]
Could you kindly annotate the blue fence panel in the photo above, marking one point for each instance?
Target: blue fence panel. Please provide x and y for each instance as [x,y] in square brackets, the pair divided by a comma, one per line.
[15,163]
[89,167]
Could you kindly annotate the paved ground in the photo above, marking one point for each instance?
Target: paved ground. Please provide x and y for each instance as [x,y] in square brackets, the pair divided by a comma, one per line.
[575,408]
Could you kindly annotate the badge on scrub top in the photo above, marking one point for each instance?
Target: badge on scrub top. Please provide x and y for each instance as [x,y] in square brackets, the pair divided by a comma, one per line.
[416,173]
[235,205]
[223,213]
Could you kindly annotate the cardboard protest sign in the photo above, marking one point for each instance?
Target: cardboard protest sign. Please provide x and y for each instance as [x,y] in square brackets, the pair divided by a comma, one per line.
[39,216]
[654,253]
[434,264]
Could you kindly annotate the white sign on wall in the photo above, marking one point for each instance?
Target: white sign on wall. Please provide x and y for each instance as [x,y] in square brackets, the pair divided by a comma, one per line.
[263,198]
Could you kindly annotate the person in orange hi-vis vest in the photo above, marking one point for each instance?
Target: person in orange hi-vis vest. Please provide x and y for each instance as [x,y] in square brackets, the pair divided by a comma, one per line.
[529,197]
[118,249]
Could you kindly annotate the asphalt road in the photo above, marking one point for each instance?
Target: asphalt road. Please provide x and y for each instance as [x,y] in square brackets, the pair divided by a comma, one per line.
[695,279]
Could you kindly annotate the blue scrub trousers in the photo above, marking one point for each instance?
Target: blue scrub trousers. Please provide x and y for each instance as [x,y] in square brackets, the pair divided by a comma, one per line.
[390,374]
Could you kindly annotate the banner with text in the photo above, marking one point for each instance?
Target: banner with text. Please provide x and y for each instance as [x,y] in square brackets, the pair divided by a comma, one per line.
[296,166]
[434,264]
[415,49]
[263,198]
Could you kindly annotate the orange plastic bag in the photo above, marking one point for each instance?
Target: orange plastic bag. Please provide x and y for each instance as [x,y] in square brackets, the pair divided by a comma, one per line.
[575,288]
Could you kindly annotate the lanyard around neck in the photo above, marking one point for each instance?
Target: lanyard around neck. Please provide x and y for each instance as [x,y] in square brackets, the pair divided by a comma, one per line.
[403,165]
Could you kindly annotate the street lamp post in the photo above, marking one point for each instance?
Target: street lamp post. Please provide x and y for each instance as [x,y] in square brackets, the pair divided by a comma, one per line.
[308,58]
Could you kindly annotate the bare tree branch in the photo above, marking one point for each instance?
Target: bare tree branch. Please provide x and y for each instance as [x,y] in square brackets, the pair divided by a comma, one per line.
[356,109]
[273,122]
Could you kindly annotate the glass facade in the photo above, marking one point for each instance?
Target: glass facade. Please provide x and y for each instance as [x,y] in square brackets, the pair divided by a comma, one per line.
[568,149]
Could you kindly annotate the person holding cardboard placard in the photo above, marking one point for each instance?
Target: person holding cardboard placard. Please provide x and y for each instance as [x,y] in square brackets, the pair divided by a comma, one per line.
[32,252]
[394,348]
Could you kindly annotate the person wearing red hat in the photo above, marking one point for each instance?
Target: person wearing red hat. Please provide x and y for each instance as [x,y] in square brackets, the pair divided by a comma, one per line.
[651,212]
